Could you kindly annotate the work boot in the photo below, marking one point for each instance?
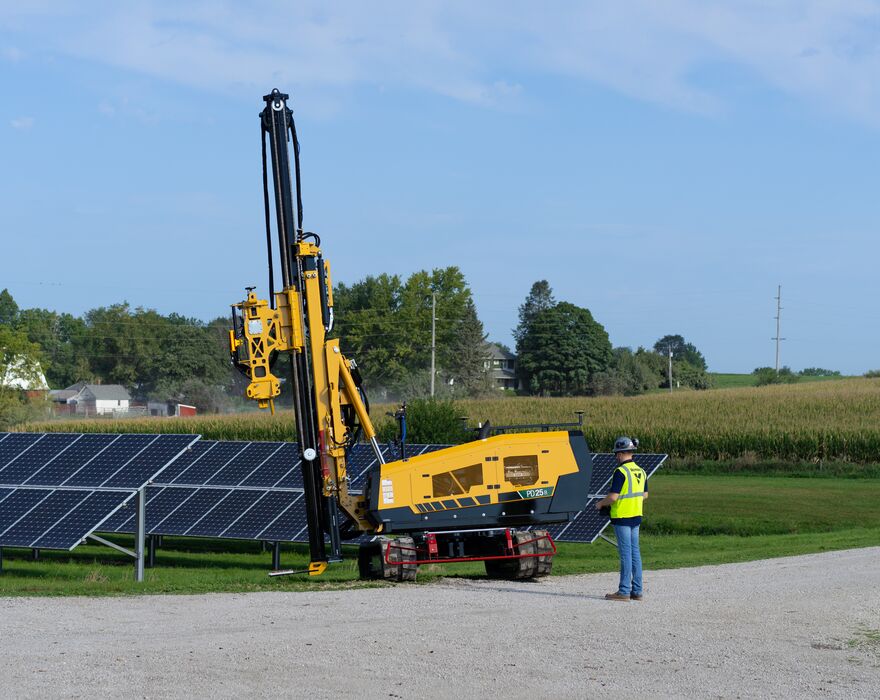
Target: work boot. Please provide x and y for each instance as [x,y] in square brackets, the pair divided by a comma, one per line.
[636,596]
[616,596]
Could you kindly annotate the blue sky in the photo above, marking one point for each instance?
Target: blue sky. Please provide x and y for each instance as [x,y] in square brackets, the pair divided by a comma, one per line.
[665,168]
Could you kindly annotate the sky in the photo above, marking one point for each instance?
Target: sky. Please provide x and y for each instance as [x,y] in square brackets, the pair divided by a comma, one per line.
[665,165]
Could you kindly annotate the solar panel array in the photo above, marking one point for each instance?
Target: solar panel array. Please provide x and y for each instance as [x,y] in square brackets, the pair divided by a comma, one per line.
[238,490]
[587,525]
[57,488]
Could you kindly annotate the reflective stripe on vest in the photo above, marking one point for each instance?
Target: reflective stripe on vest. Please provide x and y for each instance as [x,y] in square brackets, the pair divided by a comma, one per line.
[629,501]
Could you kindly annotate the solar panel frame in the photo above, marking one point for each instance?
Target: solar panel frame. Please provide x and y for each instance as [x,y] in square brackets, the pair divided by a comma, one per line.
[61,515]
[590,522]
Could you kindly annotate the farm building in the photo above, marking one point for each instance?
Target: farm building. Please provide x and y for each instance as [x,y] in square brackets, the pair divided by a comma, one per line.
[92,399]
[501,364]
[166,409]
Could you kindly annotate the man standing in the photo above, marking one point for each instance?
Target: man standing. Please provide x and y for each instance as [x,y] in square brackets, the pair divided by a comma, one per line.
[629,488]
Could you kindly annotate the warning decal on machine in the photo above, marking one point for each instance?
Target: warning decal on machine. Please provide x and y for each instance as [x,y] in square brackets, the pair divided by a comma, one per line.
[387,491]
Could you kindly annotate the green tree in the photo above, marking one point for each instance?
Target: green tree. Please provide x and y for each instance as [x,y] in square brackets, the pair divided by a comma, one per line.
[61,338]
[627,375]
[818,372]
[19,362]
[124,346]
[8,309]
[466,364]
[385,325]
[540,298]
[563,348]
[768,375]
[681,350]
[369,327]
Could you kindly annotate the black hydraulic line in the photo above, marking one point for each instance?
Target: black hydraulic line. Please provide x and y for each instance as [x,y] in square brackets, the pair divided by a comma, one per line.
[268,222]
[299,201]
[325,307]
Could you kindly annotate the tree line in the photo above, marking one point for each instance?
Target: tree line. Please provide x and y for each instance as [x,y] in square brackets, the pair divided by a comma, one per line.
[562,351]
[384,321]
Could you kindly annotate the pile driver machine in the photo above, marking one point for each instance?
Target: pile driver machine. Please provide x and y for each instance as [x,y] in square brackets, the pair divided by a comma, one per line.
[487,499]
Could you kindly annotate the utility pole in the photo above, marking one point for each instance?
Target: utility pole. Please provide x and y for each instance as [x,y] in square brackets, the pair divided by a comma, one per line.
[669,347]
[433,337]
[778,317]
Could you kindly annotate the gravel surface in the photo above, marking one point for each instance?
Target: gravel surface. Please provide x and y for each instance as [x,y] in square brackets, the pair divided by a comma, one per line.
[792,627]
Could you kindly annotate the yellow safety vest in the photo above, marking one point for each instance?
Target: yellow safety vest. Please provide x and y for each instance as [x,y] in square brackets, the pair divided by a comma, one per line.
[629,502]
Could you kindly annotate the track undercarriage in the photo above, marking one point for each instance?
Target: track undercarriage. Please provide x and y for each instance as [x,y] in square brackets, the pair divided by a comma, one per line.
[507,553]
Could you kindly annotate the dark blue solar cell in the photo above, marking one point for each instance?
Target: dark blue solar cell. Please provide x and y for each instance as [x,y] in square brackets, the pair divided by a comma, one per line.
[82,521]
[245,463]
[260,515]
[190,512]
[14,444]
[586,526]
[4,493]
[72,459]
[605,464]
[282,465]
[41,517]
[151,461]
[17,504]
[43,452]
[226,512]
[209,463]
[289,524]
[185,461]
[110,460]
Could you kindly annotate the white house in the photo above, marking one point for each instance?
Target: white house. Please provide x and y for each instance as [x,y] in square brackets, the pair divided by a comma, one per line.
[93,399]
[501,364]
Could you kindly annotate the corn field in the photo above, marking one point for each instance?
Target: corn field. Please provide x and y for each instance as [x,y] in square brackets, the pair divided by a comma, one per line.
[837,420]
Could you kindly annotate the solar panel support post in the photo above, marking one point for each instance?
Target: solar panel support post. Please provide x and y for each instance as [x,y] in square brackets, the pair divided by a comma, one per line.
[140,534]
[35,554]
[151,551]
[605,537]
[276,556]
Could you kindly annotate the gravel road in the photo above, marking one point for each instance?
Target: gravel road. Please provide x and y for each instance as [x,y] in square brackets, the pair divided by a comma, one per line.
[792,627]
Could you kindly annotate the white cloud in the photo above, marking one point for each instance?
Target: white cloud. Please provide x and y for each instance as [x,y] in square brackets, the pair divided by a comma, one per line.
[824,53]
[22,123]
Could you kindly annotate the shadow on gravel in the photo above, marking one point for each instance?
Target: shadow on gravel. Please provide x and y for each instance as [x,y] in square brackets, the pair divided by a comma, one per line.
[501,589]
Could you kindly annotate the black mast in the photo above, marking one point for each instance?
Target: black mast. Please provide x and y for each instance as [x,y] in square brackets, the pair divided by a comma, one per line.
[278,127]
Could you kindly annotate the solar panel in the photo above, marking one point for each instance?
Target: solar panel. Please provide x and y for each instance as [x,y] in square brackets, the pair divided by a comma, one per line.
[240,490]
[247,490]
[58,488]
[587,525]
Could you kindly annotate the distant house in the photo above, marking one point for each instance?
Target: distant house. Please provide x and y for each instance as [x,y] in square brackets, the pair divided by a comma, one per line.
[92,399]
[501,365]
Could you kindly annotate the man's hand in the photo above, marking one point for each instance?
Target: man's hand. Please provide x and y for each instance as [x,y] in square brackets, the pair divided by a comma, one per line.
[608,500]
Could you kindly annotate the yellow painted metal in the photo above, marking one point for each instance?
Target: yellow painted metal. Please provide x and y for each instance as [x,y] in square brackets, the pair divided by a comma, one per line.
[316,568]
[288,329]
[503,461]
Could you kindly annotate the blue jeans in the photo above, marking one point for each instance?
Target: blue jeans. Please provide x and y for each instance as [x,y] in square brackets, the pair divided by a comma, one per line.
[630,559]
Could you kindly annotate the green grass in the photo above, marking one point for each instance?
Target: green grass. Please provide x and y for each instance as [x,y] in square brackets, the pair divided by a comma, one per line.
[749,465]
[726,380]
[691,520]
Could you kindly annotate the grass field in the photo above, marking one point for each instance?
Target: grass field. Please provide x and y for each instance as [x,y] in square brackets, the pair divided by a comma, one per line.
[725,380]
[691,520]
